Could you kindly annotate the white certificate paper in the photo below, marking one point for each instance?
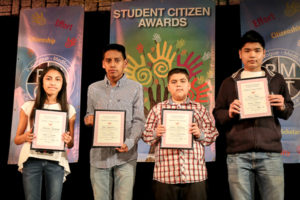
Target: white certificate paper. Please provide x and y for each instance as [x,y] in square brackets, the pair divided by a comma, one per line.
[109,128]
[49,126]
[177,123]
[253,95]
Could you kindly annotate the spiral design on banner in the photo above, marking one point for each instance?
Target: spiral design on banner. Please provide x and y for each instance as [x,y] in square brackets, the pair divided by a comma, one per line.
[144,76]
[161,69]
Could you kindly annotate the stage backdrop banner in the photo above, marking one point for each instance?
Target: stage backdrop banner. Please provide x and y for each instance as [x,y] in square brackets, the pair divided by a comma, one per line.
[279,23]
[48,36]
[161,35]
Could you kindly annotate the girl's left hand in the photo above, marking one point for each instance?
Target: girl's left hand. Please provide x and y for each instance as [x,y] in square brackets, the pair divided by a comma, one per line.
[67,138]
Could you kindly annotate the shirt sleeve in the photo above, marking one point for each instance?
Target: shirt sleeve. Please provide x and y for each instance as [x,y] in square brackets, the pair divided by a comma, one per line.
[72,111]
[138,118]
[90,107]
[27,107]
[221,110]
[207,127]
[149,134]
[288,103]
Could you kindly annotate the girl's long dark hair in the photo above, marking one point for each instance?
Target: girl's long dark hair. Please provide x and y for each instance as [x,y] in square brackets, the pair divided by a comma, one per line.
[41,95]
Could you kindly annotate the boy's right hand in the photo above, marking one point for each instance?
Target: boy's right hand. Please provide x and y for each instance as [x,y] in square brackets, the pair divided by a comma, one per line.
[160,130]
[89,120]
[234,108]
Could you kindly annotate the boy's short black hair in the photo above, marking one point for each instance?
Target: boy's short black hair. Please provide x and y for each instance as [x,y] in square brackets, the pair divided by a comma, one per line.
[178,71]
[251,36]
[117,47]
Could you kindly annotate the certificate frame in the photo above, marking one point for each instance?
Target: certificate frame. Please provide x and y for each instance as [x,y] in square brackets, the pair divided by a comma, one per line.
[49,125]
[187,137]
[111,120]
[253,95]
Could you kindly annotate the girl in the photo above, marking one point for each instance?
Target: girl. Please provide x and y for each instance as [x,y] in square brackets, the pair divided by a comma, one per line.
[51,94]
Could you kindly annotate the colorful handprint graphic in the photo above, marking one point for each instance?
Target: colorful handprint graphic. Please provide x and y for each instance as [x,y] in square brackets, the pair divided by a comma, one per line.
[151,70]
[162,63]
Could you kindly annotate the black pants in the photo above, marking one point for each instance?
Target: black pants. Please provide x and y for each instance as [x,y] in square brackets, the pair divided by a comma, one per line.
[188,191]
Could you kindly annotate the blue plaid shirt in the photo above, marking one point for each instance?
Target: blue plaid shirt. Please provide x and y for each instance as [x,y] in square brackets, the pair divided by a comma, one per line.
[126,95]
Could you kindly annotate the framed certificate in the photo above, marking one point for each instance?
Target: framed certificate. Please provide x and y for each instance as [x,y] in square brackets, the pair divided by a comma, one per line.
[49,125]
[253,95]
[177,124]
[109,128]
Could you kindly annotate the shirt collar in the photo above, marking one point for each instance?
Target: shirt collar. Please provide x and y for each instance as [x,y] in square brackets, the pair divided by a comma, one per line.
[187,101]
[237,75]
[119,83]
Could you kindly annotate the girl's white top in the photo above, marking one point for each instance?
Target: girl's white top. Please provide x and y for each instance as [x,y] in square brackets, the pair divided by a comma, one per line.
[59,156]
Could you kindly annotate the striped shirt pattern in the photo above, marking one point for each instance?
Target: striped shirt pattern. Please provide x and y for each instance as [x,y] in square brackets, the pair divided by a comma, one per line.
[177,166]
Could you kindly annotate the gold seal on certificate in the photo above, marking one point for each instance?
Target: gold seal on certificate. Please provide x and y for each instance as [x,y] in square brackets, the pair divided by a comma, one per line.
[253,95]
[109,128]
[49,125]
[177,124]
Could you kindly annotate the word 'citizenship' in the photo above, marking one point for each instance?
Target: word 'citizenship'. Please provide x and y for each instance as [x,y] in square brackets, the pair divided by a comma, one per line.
[290,131]
[159,12]
[43,40]
[285,32]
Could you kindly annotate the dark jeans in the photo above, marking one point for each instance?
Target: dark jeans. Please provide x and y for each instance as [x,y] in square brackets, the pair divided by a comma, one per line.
[188,191]
[33,172]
